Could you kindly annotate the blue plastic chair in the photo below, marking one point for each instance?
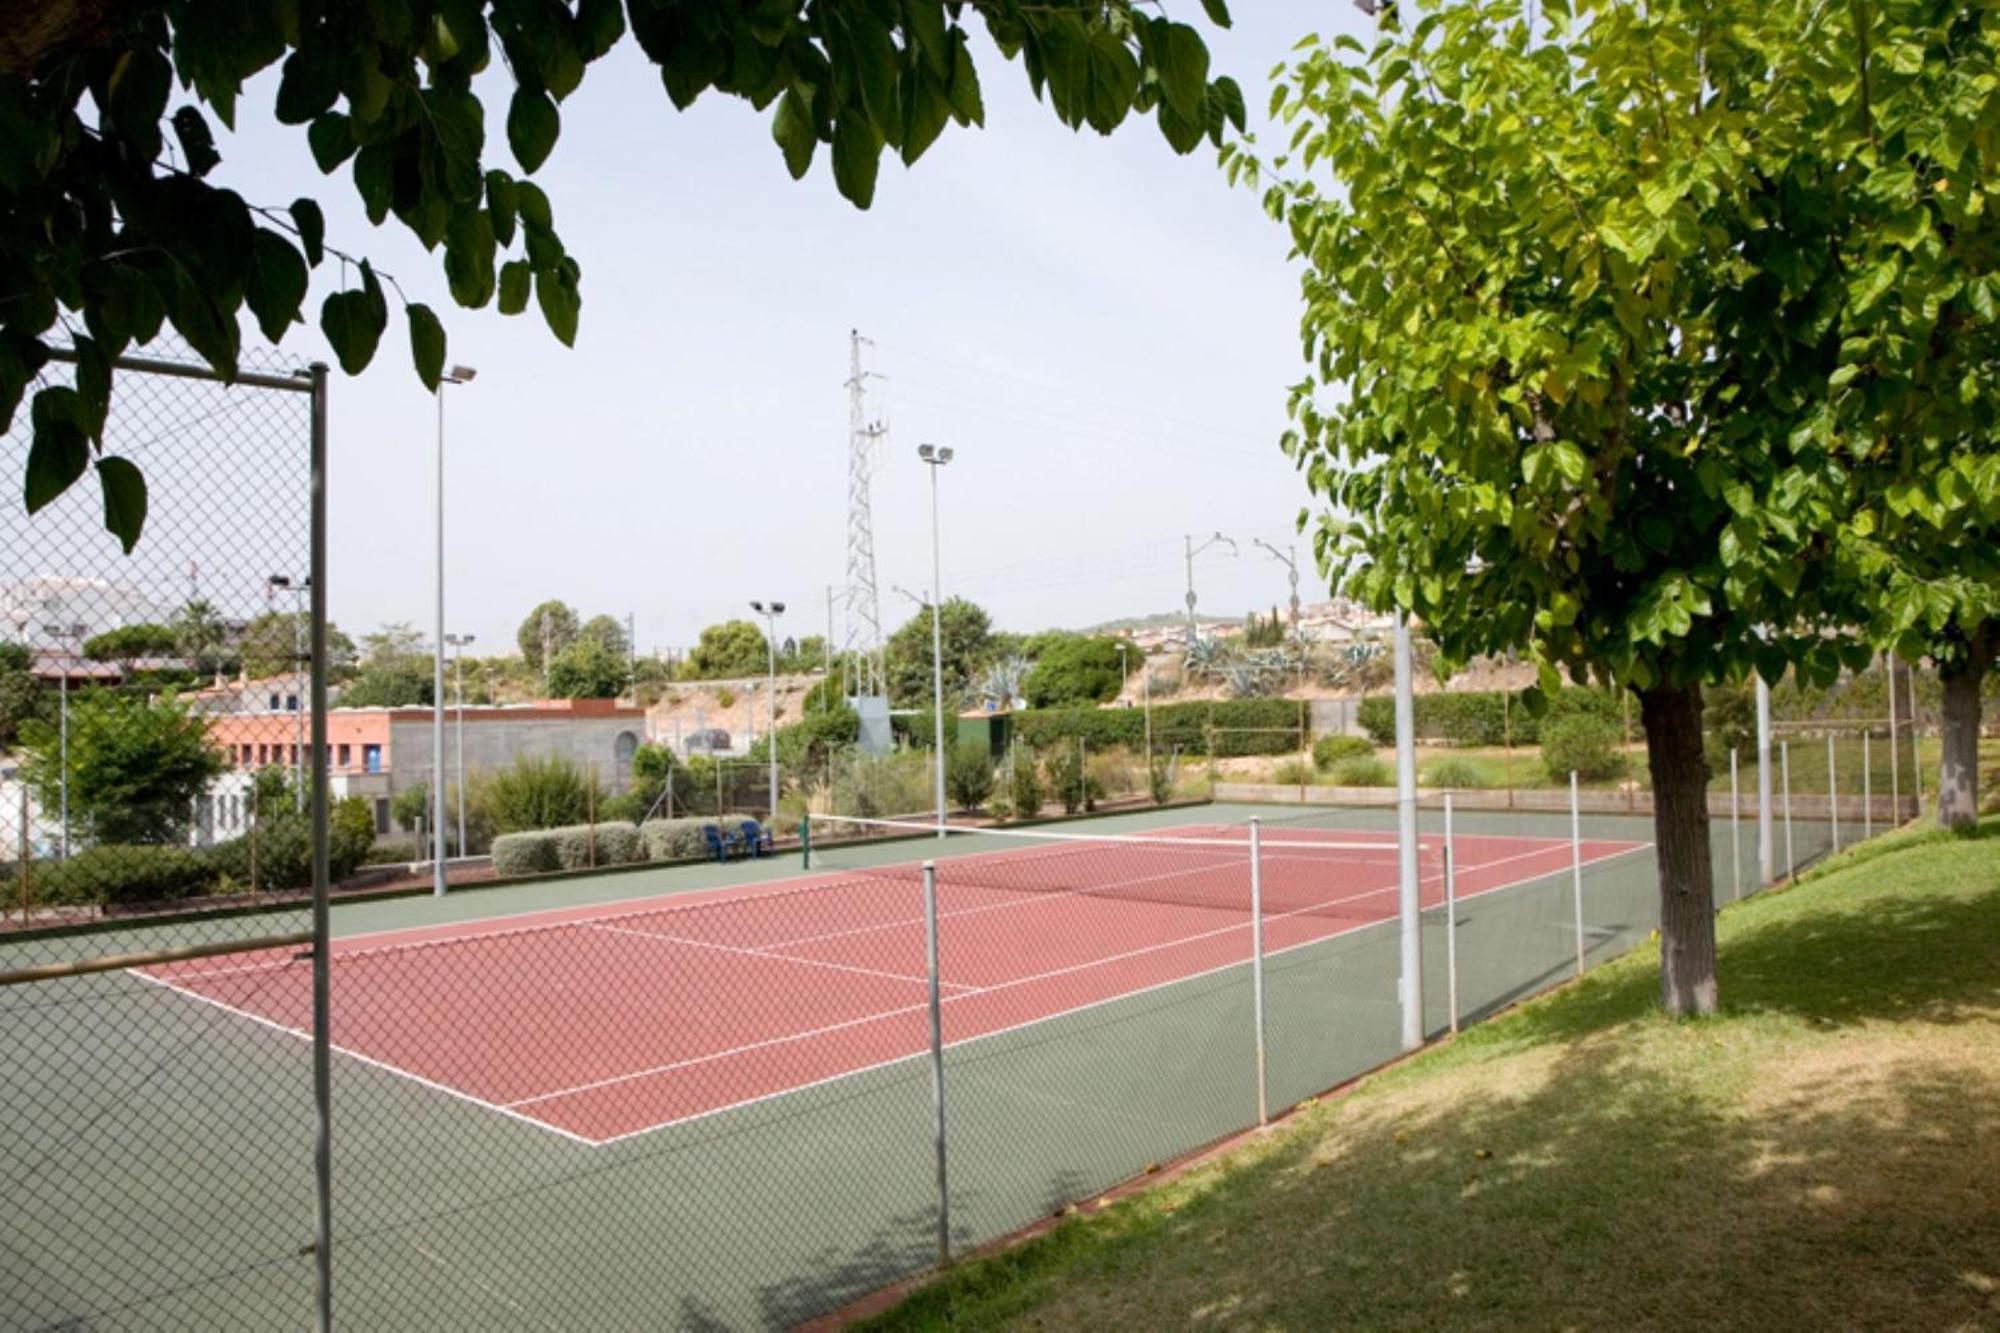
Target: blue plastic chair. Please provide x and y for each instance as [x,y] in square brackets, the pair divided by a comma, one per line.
[719,841]
[756,838]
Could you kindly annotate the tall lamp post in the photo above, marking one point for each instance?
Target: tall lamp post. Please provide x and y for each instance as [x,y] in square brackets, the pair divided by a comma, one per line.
[300,590]
[456,375]
[934,457]
[458,642]
[1192,552]
[771,612]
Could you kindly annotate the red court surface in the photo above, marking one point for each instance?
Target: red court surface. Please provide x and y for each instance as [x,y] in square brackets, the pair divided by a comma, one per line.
[604,1022]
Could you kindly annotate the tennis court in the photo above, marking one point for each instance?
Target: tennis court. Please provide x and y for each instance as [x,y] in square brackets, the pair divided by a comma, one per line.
[606,1022]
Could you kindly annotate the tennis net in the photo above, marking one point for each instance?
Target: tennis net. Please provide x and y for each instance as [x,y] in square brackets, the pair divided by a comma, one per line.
[1196,866]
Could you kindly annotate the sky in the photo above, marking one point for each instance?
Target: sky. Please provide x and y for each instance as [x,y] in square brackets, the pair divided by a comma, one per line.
[1101,330]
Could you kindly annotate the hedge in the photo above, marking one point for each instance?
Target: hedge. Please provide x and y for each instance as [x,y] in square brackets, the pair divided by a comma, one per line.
[1239,726]
[532,853]
[582,846]
[1479,717]
[126,873]
[674,839]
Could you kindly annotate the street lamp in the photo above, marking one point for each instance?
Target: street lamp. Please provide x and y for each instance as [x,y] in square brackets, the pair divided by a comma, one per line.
[300,590]
[456,375]
[935,457]
[458,641]
[771,614]
[1192,552]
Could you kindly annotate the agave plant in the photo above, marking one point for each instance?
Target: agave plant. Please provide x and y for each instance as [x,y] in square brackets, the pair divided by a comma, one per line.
[1208,657]
[1001,685]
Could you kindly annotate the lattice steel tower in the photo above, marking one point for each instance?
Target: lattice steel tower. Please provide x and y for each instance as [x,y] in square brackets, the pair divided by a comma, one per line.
[864,605]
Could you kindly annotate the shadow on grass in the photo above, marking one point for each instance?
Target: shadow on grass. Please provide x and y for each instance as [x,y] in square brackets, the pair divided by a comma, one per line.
[1649,1176]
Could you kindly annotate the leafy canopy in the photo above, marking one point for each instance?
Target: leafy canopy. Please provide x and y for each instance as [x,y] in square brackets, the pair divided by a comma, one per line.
[135,766]
[552,623]
[110,214]
[1570,318]
[727,651]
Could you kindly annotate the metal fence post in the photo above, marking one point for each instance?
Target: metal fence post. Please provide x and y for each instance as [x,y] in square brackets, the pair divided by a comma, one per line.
[1450,917]
[1867,790]
[1576,864]
[1832,792]
[1257,963]
[1735,830]
[1785,779]
[937,1059]
[322,1000]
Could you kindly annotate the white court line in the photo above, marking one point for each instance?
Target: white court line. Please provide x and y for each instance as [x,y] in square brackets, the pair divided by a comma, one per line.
[508,1110]
[383,1065]
[746,951]
[1010,983]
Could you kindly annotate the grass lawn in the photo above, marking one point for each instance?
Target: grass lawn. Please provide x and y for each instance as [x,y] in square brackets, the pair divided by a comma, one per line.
[1825,1153]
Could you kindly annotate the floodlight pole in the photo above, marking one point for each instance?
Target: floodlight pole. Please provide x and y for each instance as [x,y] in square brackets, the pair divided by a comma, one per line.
[771,614]
[456,375]
[1766,852]
[1192,552]
[1409,896]
[458,642]
[936,457]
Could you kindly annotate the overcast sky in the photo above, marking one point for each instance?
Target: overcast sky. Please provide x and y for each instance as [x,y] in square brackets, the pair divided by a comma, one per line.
[1102,331]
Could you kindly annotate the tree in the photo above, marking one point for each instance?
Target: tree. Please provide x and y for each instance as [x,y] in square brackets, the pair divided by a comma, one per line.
[1564,329]
[1075,669]
[135,766]
[200,636]
[22,698]
[732,649]
[103,216]
[608,632]
[128,643]
[968,775]
[552,624]
[965,629]
[274,644]
[1912,175]
[397,670]
[588,669]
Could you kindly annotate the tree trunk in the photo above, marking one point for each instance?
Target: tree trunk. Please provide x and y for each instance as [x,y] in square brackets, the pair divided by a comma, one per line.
[1672,717]
[1958,774]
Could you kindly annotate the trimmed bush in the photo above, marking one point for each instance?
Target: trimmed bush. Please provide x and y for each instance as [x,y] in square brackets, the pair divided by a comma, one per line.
[532,853]
[1581,743]
[1330,750]
[1363,771]
[674,839]
[581,846]
[118,874]
[1454,773]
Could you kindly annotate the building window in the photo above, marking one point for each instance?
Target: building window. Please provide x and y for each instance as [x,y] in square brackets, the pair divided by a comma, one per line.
[263,753]
[346,755]
[381,814]
[274,703]
[625,747]
[291,703]
[371,760]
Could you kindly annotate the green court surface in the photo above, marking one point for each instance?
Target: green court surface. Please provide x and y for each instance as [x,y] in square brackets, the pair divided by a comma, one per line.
[156,1150]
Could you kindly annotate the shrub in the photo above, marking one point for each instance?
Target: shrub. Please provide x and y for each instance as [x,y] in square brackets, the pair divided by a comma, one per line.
[968,776]
[580,846]
[1114,773]
[1363,771]
[673,839]
[277,852]
[536,792]
[1456,773]
[1293,772]
[1479,717]
[1330,750]
[1025,789]
[1160,782]
[1063,767]
[1730,718]
[1237,727]
[1581,743]
[115,874]
[530,853]
[893,784]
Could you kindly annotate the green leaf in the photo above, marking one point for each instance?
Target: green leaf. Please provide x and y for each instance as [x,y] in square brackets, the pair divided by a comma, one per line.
[352,327]
[276,286]
[331,138]
[515,280]
[426,345]
[556,292]
[1183,69]
[791,128]
[857,156]
[312,229]
[124,491]
[1217,11]
[60,451]
[197,143]
[926,111]
[966,104]
[532,126]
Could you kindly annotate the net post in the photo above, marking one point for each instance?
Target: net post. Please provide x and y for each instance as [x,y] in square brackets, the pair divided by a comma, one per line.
[1735,830]
[937,1060]
[1257,965]
[805,842]
[322,1004]
[1785,780]
[1576,865]
[1832,792]
[1867,790]
[1450,917]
